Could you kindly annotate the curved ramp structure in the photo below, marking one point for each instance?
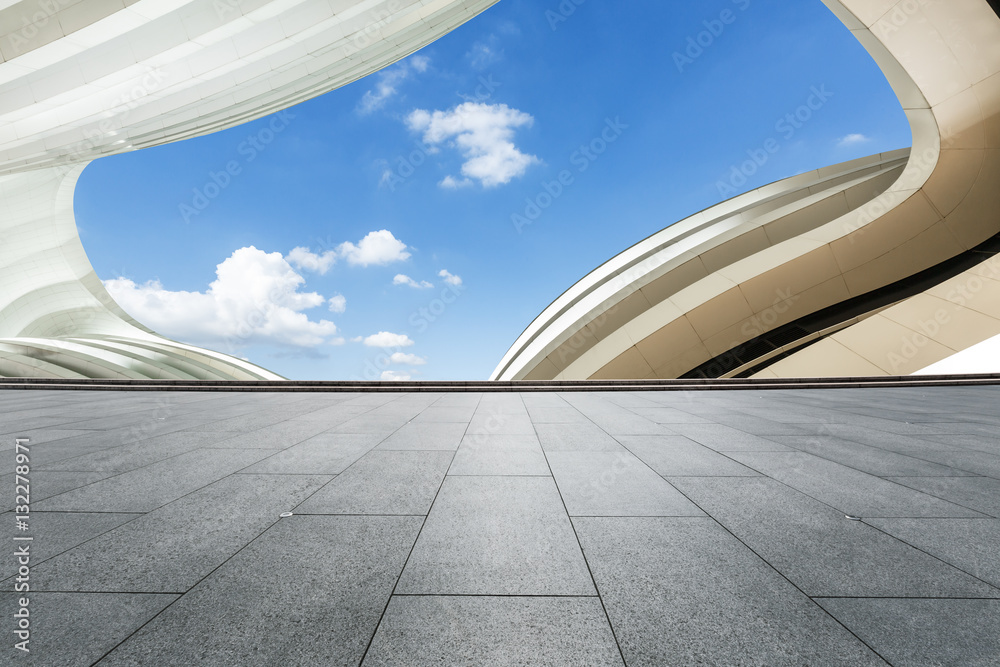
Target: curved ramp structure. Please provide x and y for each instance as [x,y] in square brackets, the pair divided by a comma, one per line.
[879,266]
[81,79]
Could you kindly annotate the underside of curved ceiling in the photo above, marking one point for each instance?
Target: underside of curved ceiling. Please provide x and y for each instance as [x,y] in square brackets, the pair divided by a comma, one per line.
[81,79]
[867,249]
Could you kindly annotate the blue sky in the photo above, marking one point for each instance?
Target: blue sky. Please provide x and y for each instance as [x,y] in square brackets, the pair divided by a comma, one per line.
[387,229]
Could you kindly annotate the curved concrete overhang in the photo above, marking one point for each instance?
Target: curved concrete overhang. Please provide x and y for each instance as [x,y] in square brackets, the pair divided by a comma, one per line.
[719,279]
[81,79]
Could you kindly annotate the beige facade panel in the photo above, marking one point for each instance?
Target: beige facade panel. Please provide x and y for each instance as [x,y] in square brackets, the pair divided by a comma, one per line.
[833,234]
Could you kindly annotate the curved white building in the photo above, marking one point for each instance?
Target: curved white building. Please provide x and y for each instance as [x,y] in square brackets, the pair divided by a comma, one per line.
[81,79]
[881,266]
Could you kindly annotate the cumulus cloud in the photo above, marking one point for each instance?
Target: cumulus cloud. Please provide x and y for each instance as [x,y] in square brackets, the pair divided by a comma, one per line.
[302,259]
[853,140]
[387,339]
[255,298]
[394,376]
[338,303]
[450,278]
[402,279]
[483,134]
[407,359]
[387,83]
[379,248]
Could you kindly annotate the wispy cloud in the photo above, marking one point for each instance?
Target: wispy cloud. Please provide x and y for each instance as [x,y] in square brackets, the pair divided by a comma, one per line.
[485,53]
[483,134]
[394,376]
[403,279]
[387,83]
[853,140]
[450,278]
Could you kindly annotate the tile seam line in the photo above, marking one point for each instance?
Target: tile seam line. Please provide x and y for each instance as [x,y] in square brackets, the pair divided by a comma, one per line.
[790,582]
[416,539]
[576,535]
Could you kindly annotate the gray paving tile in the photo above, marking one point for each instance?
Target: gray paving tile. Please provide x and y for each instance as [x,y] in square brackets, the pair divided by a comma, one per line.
[756,425]
[324,454]
[138,455]
[70,629]
[868,459]
[56,532]
[499,455]
[277,436]
[716,603]
[893,442]
[848,490]
[383,482]
[723,438]
[971,545]
[979,463]
[155,485]
[37,437]
[818,549]
[669,416]
[444,436]
[445,415]
[309,591]
[576,438]
[924,633]
[433,630]
[978,493]
[46,484]
[983,443]
[615,484]
[500,423]
[497,536]
[560,415]
[172,548]
[676,455]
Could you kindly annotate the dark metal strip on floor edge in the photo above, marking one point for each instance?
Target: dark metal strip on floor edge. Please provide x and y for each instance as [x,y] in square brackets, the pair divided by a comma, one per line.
[486,386]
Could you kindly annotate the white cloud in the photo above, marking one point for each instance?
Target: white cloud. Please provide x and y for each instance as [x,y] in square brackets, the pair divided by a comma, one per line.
[357,339]
[485,53]
[853,140]
[451,183]
[386,339]
[387,82]
[394,376]
[402,279]
[255,298]
[407,359]
[483,134]
[419,63]
[450,278]
[379,247]
[338,303]
[301,258]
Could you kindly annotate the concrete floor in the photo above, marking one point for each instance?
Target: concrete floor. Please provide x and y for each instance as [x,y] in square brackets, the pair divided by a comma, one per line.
[650,528]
